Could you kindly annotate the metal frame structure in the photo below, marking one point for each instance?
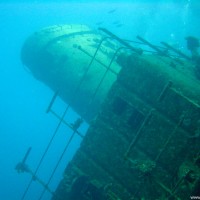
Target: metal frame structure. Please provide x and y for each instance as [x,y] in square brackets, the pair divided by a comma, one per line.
[74,127]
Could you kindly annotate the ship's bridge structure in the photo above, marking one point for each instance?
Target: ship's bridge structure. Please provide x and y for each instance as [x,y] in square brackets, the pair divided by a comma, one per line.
[142,104]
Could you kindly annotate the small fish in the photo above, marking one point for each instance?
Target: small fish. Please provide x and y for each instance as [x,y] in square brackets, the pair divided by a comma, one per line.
[116,22]
[119,25]
[99,23]
[112,11]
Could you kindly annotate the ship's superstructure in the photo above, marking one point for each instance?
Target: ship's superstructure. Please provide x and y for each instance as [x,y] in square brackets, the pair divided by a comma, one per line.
[143,110]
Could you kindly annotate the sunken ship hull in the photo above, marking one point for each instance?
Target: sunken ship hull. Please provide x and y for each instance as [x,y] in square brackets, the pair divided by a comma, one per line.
[143,142]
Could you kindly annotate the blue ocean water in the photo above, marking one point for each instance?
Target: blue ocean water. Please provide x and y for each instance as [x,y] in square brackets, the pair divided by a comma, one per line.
[23,102]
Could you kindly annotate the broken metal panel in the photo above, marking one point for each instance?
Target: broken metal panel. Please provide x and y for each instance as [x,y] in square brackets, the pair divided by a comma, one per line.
[93,168]
[182,115]
[144,143]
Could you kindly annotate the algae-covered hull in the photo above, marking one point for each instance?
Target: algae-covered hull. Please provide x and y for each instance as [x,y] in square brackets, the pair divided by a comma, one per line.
[60,57]
[144,143]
